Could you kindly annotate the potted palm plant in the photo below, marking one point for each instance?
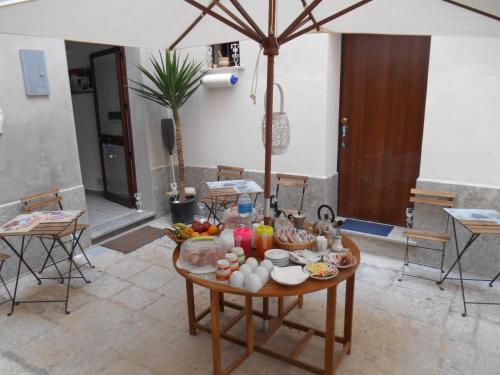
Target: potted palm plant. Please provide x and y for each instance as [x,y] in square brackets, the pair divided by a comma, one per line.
[173,81]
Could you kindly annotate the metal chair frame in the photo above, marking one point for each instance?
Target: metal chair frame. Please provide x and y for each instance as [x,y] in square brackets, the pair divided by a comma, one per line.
[438,199]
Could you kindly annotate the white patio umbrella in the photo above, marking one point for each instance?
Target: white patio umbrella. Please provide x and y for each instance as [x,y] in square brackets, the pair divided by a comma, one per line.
[186,23]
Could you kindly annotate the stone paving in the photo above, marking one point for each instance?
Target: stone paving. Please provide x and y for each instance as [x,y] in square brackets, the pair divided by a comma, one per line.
[132,320]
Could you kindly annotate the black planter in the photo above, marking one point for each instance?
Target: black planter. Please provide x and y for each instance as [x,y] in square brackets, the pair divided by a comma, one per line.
[182,212]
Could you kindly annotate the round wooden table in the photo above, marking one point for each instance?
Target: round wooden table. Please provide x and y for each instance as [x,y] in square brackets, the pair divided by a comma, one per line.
[273,321]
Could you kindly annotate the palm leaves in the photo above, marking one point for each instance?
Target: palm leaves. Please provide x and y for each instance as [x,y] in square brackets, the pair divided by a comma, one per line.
[174,80]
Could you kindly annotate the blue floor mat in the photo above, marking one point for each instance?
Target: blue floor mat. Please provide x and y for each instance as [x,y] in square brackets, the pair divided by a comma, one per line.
[367,227]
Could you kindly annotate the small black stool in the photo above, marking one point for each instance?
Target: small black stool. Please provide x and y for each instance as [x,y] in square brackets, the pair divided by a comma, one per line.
[3,258]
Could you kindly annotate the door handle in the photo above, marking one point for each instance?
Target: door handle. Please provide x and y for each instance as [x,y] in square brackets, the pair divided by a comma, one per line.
[344,129]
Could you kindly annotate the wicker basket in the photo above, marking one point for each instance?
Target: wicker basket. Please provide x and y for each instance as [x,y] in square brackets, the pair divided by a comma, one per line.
[172,234]
[293,246]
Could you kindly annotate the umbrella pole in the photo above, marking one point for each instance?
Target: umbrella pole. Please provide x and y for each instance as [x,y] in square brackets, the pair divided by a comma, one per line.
[271,49]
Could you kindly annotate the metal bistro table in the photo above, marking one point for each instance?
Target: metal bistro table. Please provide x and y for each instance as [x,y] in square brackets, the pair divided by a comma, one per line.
[272,289]
[54,230]
[477,222]
[225,188]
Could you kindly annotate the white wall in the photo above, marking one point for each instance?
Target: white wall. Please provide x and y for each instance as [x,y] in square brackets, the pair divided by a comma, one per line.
[461,140]
[223,126]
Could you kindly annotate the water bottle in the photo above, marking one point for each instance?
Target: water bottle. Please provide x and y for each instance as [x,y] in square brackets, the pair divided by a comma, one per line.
[245,209]
[243,234]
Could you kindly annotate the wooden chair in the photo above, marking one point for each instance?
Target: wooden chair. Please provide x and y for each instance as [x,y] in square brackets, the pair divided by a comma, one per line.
[214,203]
[438,200]
[48,201]
[294,182]
[3,258]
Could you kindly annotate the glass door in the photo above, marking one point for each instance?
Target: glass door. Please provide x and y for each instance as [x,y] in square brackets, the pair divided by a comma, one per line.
[113,125]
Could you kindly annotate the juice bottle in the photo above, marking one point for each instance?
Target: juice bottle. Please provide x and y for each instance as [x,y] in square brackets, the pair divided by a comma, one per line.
[264,240]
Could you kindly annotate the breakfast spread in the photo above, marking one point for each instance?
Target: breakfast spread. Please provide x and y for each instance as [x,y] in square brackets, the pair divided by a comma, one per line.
[321,270]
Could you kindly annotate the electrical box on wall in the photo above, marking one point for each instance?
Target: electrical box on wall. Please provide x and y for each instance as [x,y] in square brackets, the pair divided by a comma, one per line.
[36,80]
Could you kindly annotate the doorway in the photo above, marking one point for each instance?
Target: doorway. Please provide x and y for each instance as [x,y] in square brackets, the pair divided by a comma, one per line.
[109,79]
[382,107]
[99,96]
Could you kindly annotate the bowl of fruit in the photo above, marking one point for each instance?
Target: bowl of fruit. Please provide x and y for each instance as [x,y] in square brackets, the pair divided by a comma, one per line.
[180,232]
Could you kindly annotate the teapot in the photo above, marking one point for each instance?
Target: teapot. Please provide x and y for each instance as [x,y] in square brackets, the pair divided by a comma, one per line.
[325,226]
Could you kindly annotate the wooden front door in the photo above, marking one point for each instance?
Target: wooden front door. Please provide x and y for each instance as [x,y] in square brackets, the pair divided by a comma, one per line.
[382,106]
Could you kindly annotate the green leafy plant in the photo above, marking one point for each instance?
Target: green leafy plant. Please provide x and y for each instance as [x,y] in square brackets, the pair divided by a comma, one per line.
[174,80]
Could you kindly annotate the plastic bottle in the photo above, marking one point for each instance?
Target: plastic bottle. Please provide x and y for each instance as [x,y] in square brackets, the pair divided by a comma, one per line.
[243,234]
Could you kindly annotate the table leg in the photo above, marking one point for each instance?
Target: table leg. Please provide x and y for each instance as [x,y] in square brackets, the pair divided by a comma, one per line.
[20,255]
[494,279]
[301,301]
[331,301]
[221,302]
[249,321]
[281,307]
[349,308]
[215,324]
[190,306]
[265,314]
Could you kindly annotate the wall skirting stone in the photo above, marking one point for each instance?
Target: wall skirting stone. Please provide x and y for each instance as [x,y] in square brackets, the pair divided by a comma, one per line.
[74,198]
[319,190]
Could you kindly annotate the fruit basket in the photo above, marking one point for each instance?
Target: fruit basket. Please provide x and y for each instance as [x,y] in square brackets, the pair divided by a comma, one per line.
[180,232]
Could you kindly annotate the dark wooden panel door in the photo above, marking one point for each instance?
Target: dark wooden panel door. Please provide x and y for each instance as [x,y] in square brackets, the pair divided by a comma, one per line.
[383,89]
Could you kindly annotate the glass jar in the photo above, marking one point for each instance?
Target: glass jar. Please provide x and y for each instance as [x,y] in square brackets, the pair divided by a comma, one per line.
[233,261]
[264,240]
[223,270]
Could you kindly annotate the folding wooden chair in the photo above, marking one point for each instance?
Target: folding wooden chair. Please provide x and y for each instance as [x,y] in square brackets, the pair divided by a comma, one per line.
[294,182]
[438,200]
[3,258]
[48,201]
[214,203]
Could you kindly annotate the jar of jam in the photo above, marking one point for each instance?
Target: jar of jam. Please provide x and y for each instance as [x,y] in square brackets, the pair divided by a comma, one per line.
[223,272]
[233,261]
[264,240]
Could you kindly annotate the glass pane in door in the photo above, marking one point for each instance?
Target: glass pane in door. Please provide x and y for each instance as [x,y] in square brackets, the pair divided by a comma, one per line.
[115,169]
[108,99]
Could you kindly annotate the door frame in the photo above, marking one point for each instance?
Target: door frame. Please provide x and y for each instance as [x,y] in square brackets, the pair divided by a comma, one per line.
[340,116]
[126,141]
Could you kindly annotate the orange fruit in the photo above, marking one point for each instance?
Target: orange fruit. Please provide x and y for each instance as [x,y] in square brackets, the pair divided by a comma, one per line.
[195,234]
[204,234]
[213,230]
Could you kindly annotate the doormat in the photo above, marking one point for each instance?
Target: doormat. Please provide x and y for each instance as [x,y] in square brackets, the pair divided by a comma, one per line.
[368,227]
[135,239]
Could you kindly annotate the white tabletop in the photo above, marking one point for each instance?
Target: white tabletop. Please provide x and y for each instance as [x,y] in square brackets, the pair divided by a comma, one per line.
[234,187]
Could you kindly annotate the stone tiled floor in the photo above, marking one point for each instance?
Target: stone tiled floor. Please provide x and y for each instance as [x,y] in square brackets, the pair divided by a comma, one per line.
[132,320]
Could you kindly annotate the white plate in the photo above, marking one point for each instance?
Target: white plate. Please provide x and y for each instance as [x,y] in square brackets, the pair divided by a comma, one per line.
[303,257]
[194,269]
[276,254]
[332,260]
[299,278]
[306,271]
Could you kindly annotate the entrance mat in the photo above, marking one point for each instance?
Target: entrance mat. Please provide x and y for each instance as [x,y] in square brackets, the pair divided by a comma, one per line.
[368,227]
[135,239]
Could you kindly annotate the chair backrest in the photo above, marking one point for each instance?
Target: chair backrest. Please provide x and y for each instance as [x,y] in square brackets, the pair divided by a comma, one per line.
[292,181]
[229,173]
[48,199]
[431,197]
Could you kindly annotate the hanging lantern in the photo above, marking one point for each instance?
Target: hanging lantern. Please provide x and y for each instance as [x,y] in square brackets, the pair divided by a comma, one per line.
[281,127]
